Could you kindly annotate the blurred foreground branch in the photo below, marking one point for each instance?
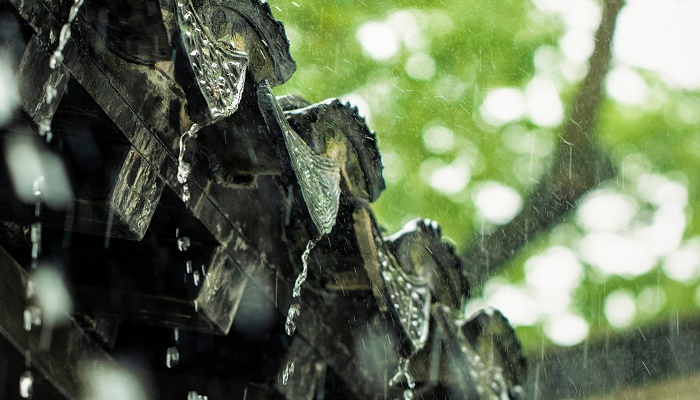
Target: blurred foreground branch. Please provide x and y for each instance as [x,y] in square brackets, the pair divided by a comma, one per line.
[577,167]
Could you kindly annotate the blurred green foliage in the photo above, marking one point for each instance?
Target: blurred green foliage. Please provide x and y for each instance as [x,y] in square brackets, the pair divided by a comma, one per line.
[477,46]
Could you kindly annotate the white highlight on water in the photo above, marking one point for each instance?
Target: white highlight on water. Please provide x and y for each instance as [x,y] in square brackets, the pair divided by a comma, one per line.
[183,243]
[26,385]
[32,317]
[193,395]
[36,244]
[184,168]
[289,325]
[57,56]
[305,268]
[403,373]
[172,357]
[294,309]
[287,373]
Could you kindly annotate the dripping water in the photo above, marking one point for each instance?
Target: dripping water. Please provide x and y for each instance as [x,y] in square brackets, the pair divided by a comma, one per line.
[35,235]
[65,34]
[290,325]
[287,373]
[51,90]
[305,268]
[32,317]
[172,357]
[184,168]
[401,374]
[32,313]
[196,277]
[183,243]
[193,395]
[26,384]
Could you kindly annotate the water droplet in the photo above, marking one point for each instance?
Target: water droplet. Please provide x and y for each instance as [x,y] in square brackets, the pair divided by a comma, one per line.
[185,196]
[403,373]
[172,357]
[305,268]
[26,385]
[29,290]
[38,185]
[184,168]
[56,58]
[32,317]
[287,373]
[183,244]
[188,265]
[195,277]
[289,325]
[193,395]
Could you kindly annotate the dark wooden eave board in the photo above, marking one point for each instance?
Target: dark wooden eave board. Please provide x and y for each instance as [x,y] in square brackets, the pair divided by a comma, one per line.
[138,118]
[60,363]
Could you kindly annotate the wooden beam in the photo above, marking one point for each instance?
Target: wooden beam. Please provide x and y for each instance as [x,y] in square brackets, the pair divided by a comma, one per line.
[68,342]
[40,87]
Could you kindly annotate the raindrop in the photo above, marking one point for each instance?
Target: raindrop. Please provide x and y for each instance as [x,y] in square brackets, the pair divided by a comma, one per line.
[29,291]
[305,263]
[36,243]
[65,35]
[32,317]
[193,395]
[183,244]
[172,357]
[188,264]
[403,373]
[38,185]
[195,277]
[26,385]
[184,168]
[288,372]
[289,325]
